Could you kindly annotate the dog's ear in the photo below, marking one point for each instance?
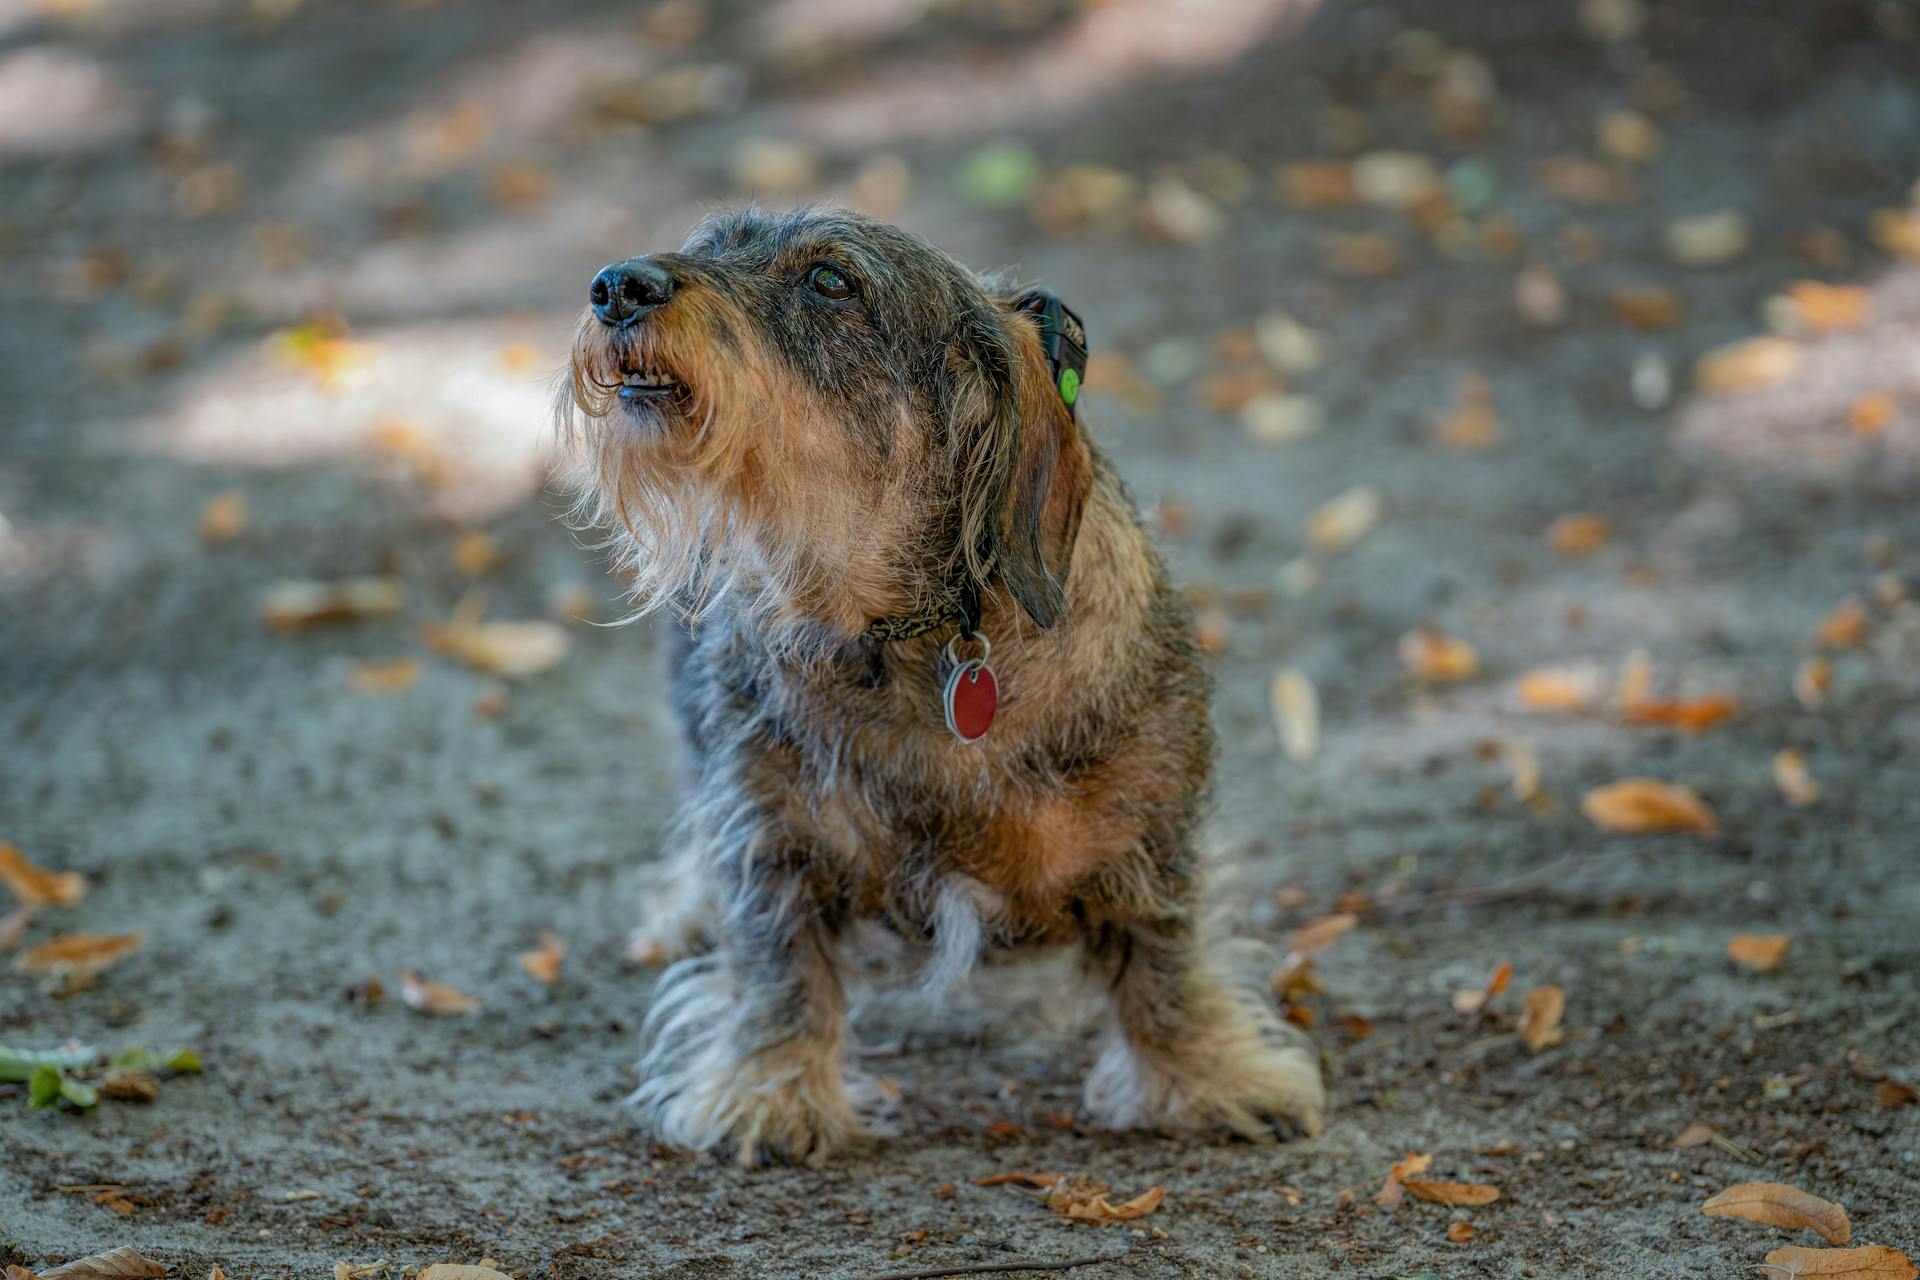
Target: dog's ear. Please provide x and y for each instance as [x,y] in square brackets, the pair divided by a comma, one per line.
[1027,469]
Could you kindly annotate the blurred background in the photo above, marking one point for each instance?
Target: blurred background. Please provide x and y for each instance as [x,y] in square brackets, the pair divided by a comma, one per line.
[1526,392]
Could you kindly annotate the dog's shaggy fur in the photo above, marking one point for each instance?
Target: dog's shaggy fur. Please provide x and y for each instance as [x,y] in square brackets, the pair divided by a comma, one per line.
[821,462]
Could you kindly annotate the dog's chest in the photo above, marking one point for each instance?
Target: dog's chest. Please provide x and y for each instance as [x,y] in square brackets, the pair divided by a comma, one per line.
[898,797]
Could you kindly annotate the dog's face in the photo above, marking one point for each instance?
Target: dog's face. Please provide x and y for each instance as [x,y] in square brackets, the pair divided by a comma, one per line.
[826,414]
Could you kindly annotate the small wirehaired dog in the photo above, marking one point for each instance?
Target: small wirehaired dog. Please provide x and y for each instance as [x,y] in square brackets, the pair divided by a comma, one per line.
[933,677]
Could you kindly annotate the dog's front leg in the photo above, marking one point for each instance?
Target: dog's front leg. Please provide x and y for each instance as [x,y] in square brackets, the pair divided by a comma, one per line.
[1189,1048]
[745,1044]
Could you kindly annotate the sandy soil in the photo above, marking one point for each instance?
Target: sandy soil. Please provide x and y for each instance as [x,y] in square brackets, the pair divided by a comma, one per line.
[282,839]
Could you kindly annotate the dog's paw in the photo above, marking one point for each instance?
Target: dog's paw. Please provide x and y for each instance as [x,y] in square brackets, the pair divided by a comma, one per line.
[799,1119]
[1271,1092]
[787,1103]
[1255,1077]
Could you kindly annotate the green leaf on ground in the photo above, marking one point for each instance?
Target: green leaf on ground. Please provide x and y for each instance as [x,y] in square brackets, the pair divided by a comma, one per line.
[49,1085]
[43,1090]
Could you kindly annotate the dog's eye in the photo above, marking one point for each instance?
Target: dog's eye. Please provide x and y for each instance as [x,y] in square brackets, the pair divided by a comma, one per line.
[829,283]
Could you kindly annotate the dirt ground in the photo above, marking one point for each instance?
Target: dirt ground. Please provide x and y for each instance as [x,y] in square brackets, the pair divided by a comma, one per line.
[184,179]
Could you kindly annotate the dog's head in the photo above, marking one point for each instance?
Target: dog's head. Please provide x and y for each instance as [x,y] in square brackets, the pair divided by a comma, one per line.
[826,419]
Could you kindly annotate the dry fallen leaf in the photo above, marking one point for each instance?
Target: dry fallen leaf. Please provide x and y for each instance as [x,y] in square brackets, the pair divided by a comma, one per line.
[1473,1001]
[1234,390]
[1795,782]
[1321,933]
[1473,423]
[1697,1134]
[1894,1094]
[1811,680]
[112,1265]
[1780,1205]
[1432,656]
[1752,365]
[452,1271]
[1523,767]
[35,885]
[1362,254]
[223,518]
[543,963]
[1395,179]
[1639,805]
[1580,181]
[1393,1190]
[1811,306]
[1897,231]
[1087,1205]
[499,648]
[1710,240]
[1845,627]
[1636,679]
[1648,307]
[323,353]
[1461,1232]
[1539,297]
[1342,521]
[1316,184]
[1629,136]
[13,926]
[1296,712]
[1294,978]
[1079,1197]
[395,675]
[435,997]
[1761,952]
[1869,1262]
[517,187]
[1175,213]
[130,1085]
[1870,414]
[475,553]
[1456,1194]
[1690,715]
[295,606]
[1561,688]
[1579,534]
[74,960]
[1278,418]
[1540,1015]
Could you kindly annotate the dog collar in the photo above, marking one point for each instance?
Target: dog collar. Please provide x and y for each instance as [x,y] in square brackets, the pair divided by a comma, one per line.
[971,694]
[957,604]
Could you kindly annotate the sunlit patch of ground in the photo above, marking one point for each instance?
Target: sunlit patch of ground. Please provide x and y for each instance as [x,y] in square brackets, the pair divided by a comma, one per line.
[459,407]
[56,101]
[1102,52]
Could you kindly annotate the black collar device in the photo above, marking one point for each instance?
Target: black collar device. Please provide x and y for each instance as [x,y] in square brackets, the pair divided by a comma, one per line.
[1063,337]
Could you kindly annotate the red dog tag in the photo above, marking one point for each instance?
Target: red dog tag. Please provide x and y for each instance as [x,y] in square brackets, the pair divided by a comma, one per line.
[972,696]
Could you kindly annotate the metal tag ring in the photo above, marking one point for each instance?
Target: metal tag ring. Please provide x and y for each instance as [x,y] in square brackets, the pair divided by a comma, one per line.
[986,648]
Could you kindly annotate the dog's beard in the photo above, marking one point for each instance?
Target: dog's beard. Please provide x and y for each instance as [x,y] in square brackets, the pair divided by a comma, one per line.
[686,477]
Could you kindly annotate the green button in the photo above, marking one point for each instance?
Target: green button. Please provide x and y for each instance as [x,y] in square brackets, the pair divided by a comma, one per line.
[1069,385]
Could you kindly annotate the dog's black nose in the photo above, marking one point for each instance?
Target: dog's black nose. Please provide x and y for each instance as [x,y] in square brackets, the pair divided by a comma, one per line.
[625,291]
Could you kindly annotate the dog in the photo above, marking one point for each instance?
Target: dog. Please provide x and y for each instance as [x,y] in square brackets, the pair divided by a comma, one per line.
[933,678]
